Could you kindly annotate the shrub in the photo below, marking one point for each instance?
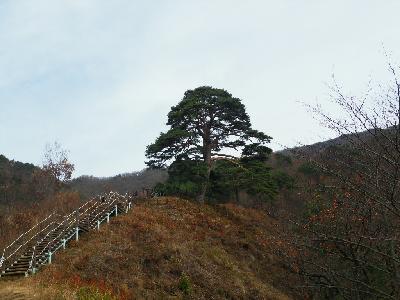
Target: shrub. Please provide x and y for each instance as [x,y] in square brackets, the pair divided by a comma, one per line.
[184,284]
[88,293]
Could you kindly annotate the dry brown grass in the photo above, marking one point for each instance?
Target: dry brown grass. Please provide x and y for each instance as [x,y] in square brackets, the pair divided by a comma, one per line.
[33,289]
[168,248]
[17,219]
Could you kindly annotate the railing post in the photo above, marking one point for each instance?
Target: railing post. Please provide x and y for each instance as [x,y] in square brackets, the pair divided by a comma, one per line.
[98,224]
[116,210]
[108,217]
[50,254]
[2,259]
[34,261]
[64,243]
[77,225]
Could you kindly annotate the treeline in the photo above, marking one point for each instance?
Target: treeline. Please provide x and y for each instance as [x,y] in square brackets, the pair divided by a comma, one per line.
[345,242]
[27,184]
[17,181]
[89,186]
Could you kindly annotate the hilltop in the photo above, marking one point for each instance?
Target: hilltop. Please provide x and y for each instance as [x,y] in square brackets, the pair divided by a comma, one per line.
[170,248]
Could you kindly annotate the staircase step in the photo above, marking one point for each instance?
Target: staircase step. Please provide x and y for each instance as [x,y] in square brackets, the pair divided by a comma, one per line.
[22,269]
[11,270]
[19,261]
[13,274]
[22,261]
[25,256]
[19,266]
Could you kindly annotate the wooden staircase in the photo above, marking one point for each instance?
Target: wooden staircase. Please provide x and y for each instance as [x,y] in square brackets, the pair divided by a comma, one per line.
[36,247]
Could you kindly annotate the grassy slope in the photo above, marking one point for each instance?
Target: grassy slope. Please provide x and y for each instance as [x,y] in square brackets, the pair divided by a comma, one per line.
[170,248]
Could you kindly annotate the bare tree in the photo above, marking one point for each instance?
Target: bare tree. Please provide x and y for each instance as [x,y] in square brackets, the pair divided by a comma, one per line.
[56,170]
[350,248]
[56,163]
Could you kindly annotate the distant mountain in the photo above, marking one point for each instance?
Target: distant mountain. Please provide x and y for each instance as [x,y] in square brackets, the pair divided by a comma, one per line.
[343,140]
[89,186]
[16,181]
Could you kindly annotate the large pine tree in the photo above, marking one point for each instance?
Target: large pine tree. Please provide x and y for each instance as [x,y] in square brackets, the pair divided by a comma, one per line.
[204,124]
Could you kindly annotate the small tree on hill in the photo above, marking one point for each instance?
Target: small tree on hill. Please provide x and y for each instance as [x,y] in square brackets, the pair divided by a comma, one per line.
[205,123]
[57,164]
[56,170]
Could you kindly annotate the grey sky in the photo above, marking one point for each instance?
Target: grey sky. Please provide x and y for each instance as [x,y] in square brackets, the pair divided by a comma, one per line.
[99,76]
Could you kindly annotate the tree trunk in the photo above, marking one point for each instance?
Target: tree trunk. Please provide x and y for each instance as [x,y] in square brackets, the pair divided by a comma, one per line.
[237,195]
[207,159]
[204,188]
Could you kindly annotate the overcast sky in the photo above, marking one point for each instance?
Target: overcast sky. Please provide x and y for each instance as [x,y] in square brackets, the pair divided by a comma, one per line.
[99,76]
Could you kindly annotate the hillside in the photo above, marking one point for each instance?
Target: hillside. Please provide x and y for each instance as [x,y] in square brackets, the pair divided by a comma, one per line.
[366,136]
[168,248]
[89,186]
[301,165]
[16,181]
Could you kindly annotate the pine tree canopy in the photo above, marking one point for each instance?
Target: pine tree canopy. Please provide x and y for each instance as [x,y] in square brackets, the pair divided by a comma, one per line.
[205,122]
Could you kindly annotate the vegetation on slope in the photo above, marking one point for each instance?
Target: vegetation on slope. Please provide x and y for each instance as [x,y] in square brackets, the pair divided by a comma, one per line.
[173,248]
[16,181]
[348,236]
